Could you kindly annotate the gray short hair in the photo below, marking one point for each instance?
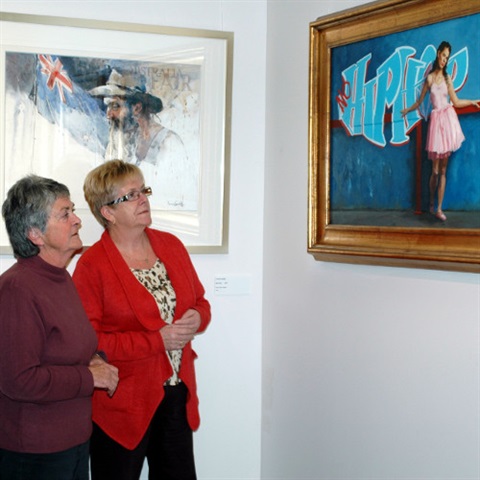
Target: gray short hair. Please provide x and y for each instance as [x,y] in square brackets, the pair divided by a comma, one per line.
[28,205]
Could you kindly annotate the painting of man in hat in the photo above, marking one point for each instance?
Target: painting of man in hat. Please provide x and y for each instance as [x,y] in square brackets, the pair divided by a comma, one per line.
[157,99]
[100,109]
[137,136]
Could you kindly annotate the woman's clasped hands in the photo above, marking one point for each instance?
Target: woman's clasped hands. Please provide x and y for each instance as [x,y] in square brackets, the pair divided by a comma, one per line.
[182,331]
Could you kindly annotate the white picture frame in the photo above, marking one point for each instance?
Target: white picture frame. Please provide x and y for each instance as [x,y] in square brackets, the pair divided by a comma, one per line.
[190,69]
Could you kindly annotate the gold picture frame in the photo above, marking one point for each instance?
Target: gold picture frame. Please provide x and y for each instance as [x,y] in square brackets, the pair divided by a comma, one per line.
[426,242]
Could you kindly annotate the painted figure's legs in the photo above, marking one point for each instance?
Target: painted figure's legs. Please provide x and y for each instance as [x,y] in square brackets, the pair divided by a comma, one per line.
[433,184]
[438,182]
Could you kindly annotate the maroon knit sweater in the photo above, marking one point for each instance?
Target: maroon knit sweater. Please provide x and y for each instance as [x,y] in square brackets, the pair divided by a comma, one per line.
[46,343]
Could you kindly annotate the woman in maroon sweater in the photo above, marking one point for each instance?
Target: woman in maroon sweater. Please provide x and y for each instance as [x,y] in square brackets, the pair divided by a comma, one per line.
[48,366]
[146,303]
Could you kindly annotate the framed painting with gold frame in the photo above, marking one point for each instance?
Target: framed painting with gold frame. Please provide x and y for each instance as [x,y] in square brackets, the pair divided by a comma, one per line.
[368,170]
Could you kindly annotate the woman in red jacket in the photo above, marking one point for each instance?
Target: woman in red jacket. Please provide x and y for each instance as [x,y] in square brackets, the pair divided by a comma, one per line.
[146,303]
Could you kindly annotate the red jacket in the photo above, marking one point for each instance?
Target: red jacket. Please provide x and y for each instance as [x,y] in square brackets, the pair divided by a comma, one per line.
[127,321]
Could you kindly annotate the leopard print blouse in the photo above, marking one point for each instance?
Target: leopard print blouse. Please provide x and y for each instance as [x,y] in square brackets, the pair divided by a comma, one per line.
[157,282]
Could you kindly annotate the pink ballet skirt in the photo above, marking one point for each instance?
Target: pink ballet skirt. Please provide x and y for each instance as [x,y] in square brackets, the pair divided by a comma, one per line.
[444,132]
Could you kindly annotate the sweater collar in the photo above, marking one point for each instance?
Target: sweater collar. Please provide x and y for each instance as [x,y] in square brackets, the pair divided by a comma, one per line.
[40,266]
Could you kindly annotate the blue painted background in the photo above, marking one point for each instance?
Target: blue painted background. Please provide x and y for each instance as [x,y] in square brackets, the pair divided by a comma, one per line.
[365,176]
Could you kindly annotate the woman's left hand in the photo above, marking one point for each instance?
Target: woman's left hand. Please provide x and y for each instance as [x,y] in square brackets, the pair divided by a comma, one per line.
[190,320]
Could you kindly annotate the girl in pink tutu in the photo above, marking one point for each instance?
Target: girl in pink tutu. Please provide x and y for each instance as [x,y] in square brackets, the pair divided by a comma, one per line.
[444,132]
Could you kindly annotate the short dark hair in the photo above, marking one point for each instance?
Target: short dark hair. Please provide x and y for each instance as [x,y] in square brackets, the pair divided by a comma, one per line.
[151,104]
[28,205]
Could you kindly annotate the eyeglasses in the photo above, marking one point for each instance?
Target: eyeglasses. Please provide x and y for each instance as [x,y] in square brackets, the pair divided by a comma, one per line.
[131,196]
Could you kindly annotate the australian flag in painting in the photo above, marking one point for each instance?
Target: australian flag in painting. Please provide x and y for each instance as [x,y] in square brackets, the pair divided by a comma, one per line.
[62,101]
[55,75]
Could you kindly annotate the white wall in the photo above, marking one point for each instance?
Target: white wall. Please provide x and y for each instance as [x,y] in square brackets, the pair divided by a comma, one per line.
[229,375]
[368,372]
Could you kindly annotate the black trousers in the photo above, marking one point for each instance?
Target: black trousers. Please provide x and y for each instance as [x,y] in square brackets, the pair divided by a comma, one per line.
[71,464]
[167,446]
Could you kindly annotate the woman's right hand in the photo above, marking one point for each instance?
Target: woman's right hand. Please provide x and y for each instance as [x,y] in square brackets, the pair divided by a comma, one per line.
[105,376]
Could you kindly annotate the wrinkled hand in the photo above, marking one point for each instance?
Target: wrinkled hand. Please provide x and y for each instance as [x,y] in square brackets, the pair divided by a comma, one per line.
[105,376]
[177,335]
